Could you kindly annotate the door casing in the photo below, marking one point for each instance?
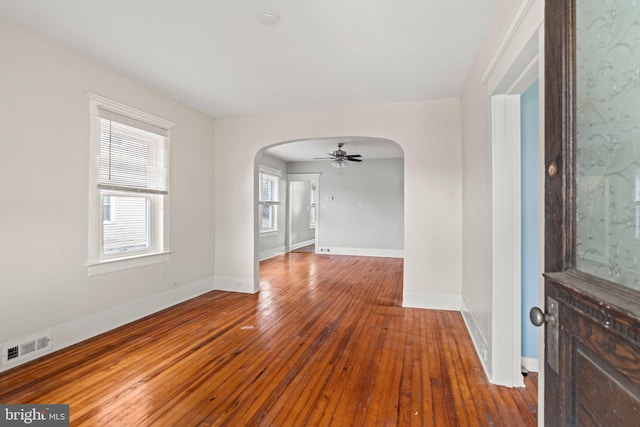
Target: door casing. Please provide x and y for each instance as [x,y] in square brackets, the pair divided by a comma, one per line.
[506,240]
[293,177]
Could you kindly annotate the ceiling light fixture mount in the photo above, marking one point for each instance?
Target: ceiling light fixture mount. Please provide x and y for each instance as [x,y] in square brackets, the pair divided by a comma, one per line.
[268,18]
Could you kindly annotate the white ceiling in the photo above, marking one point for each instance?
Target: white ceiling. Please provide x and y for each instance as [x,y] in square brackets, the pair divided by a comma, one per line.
[214,56]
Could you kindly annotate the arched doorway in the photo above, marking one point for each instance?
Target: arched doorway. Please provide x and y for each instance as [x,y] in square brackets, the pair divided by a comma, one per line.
[359,210]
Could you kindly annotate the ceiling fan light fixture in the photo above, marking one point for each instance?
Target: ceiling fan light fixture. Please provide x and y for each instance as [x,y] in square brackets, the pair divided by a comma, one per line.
[339,163]
[339,158]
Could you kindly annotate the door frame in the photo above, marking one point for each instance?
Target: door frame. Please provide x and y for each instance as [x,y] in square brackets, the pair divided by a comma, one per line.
[505,85]
[301,177]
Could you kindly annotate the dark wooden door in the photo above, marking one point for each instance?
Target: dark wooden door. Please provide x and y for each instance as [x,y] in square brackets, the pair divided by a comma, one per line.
[592,210]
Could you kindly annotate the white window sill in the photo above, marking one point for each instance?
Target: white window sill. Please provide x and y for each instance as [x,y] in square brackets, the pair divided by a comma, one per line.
[268,233]
[112,265]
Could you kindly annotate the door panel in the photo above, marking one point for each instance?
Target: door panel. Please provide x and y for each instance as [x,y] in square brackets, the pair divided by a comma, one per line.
[592,246]
[603,397]
[597,381]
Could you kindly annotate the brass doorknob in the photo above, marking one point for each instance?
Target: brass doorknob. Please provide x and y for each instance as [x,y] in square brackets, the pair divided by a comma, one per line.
[538,317]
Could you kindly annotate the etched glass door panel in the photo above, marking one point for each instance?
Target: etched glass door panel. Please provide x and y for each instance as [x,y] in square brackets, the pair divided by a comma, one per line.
[608,139]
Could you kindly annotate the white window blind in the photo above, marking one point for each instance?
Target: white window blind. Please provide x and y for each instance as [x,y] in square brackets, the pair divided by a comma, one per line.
[269,186]
[133,155]
[269,199]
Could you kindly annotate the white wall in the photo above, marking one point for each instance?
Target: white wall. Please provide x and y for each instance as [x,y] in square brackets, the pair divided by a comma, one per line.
[44,205]
[361,207]
[273,243]
[428,132]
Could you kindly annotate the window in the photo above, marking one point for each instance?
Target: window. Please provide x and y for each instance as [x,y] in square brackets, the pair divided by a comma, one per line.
[130,182]
[268,200]
[107,210]
[129,231]
[313,201]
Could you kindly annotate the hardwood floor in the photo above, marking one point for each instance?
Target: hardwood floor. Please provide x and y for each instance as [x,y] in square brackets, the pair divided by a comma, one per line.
[324,343]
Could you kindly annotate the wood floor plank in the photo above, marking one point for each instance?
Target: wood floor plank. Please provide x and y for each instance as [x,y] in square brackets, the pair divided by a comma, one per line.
[325,342]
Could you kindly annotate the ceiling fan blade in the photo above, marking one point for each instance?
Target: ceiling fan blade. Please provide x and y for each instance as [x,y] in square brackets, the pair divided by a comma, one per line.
[340,155]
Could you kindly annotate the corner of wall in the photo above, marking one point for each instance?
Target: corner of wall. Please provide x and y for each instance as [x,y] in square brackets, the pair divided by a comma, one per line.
[243,285]
[272,252]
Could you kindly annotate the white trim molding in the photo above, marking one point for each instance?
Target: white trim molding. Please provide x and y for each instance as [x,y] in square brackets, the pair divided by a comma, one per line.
[302,244]
[127,263]
[514,22]
[243,285]
[273,252]
[117,107]
[382,253]
[506,242]
[479,341]
[512,65]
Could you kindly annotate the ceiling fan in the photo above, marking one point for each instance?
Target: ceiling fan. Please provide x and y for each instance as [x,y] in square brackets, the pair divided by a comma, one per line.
[339,158]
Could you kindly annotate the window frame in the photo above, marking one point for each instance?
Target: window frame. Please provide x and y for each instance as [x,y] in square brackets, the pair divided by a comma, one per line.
[271,204]
[111,207]
[158,221]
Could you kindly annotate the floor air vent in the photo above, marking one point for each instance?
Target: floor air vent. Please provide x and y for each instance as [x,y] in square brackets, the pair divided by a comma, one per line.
[27,348]
[13,352]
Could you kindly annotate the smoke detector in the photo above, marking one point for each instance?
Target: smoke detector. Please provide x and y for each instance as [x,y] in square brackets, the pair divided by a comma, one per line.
[268,18]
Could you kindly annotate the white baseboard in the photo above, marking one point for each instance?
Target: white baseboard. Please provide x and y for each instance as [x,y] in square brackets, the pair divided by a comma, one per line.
[244,285]
[75,331]
[530,364]
[479,341]
[270,253]
[431,300]
[383,253]
[302,244]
